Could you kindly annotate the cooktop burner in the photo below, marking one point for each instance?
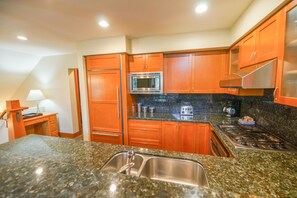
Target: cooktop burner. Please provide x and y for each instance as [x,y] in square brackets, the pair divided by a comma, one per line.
[254,137]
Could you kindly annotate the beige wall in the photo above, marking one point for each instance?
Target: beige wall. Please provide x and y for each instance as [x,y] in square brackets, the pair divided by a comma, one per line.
[253,15]
[3,132]
[176,42]
[73,101]
[51,76]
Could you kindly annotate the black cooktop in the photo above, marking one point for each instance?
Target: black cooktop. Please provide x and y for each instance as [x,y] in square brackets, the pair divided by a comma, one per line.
[255,138]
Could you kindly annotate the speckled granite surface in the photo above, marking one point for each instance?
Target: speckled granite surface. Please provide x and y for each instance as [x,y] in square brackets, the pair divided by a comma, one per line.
[36,166]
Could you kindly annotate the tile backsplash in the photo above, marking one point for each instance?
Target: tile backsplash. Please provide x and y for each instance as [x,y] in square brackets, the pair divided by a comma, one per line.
[278,119]
[170,103]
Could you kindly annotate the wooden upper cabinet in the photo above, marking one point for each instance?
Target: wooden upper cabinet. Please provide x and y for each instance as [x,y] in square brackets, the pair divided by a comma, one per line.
[262,44]
[286,88]
[146,62]
[170,136]
[208,69]
[247,50]
[110,61]
[268,39]
[137,63]
[154,62]
[177,73]
[203,139]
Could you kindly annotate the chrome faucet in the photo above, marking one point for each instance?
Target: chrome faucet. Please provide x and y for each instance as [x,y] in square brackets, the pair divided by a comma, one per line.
[127,167]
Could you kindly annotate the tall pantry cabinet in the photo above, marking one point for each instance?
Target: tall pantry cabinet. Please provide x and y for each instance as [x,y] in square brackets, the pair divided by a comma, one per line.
[104,98]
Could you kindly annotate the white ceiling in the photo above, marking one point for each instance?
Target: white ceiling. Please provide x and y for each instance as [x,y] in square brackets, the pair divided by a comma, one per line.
[54,26]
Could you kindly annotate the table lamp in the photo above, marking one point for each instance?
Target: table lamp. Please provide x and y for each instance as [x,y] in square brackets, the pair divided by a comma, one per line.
[35,95]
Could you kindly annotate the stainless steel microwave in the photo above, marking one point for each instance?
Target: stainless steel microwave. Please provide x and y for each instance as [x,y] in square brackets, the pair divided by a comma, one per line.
[146,83]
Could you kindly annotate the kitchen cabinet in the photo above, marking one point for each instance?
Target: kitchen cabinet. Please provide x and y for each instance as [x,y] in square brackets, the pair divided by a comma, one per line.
[217,148]
[187,137]
[207,71]
[195,72]
[144,133]
[247,50]
[177,73]
[194,138]
[286,88]
[111,61]
[262,44]
[107,137]
[234,62]
[170,136]
[203,139]
[146,62]
[104,99]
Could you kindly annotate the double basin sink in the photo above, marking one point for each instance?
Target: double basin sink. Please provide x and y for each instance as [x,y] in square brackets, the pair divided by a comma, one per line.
[180,171]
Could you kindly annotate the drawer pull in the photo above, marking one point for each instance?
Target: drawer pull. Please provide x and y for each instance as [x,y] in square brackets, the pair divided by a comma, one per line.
[106,134]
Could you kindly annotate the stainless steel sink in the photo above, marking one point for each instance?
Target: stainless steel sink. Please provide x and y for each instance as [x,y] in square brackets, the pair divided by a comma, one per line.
[119,160]
[166,169]
[174,170]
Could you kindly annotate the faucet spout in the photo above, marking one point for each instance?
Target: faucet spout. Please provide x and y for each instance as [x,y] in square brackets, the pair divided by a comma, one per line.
[127,167]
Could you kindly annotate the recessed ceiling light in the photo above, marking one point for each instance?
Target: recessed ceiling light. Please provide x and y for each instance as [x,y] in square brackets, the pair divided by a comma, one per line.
[23,38]
[103,24]
[201,8]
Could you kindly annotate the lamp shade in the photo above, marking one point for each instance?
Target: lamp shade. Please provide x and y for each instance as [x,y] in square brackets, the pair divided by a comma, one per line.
[35,95]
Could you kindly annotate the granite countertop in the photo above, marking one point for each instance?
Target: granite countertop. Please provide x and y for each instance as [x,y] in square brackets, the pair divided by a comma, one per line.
[56,167]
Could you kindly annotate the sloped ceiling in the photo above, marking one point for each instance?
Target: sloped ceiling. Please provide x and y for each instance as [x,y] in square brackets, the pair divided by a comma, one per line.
[14,69]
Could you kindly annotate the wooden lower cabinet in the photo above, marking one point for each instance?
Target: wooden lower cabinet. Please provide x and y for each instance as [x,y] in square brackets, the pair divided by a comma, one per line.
[187,133]
[144,133]
[186,137]
[203,139]
[170,136]
[194,138]
[107,137]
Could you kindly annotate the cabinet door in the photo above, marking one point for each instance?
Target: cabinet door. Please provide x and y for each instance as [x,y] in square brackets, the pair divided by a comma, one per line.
[104,100]
[268,39]
[177,73]
[107,137]
[286,90]
[203,139]
[208,69]
[247,50]
[187,133]
[137,63]
[170,136]
[154,62]
[146,134]
[103,62]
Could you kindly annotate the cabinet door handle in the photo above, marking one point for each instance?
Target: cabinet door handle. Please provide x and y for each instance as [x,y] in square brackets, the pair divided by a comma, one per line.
[118,102]
[252,56]
[109,135]
[274,93]
[255,55]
